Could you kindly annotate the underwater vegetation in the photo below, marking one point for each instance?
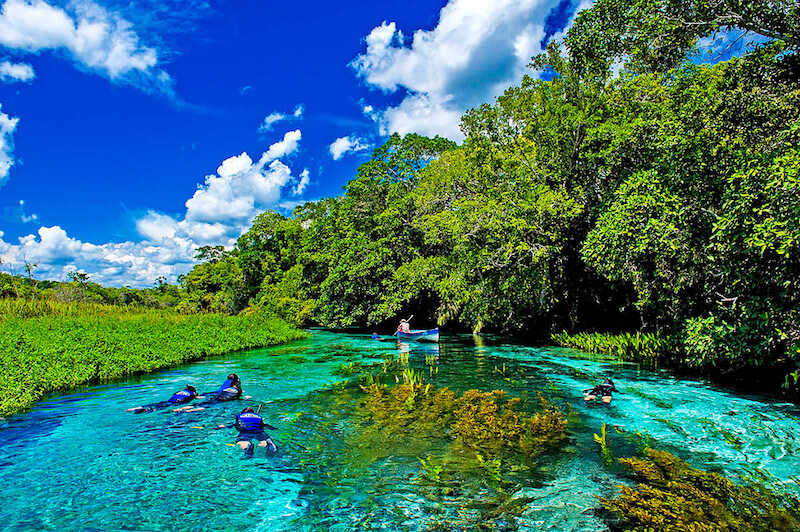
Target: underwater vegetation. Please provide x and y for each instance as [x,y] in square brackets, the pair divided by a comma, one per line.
[487,423]
[673,496]
[605,449]
[345,370]
[465,456]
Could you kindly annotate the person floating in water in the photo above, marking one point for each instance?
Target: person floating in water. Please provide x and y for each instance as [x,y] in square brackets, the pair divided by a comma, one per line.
[375,336]
[230,390]
[603,390]
[184,396]
[251,427]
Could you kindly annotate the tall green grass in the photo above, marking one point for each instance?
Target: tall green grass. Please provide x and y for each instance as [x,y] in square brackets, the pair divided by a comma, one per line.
[638,347]
[33,308]
[63,346]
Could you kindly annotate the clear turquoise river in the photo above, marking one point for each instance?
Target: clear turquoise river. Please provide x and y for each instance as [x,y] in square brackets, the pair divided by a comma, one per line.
[79,462]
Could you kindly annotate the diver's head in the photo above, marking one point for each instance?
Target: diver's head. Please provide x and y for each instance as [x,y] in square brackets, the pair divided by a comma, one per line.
[234,378]
[191,389]
[248,409]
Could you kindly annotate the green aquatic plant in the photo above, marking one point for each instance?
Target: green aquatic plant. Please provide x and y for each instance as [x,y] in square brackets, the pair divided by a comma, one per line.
[431,470]
[638,347]
[472,452]
[501,370]
[641,439]
[345,370]
[605,449]
[672,496]
[485,422]
[492,467]
[413,377]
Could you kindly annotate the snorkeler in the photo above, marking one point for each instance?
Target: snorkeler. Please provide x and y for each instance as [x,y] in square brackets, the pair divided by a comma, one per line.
[231,389]
[603,390]
[251,427]
[184,396]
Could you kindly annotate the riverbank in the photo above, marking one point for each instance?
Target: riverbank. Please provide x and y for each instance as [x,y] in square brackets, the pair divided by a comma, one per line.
[778,378]
[63,347]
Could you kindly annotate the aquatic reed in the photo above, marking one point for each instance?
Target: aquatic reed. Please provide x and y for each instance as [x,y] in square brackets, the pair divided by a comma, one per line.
[639,347]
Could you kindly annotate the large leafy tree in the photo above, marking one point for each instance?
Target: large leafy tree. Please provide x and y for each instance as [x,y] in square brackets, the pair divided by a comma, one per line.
[683,228]
[267,249]
[657,35]
[355,243]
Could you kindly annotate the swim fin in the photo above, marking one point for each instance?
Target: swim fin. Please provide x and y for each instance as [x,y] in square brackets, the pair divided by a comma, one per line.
[271,446]
[249,451]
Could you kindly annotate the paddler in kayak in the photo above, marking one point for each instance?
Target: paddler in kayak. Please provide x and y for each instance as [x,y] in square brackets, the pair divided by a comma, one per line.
[404,326]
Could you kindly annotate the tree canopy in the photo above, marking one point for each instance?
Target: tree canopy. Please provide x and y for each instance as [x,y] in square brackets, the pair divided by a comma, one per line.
[662,200]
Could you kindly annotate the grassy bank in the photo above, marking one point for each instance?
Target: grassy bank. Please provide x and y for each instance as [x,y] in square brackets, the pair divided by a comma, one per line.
[48,347]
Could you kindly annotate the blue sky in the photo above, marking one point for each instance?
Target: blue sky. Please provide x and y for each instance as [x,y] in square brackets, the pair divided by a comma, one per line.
[133,132]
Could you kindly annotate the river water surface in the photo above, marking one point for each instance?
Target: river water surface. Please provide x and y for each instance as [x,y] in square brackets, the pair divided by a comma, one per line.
[79,462]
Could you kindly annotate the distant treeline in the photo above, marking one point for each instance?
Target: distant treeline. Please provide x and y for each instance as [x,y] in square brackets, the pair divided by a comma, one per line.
[80,289]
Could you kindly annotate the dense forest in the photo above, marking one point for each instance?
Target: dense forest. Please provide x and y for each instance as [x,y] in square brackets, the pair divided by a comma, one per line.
[663,199]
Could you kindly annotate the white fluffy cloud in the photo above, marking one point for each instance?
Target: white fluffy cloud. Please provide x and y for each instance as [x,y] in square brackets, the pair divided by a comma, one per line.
[274,118]
[343,145]
[423,113]
[300,187]
[7,127]
[270,120]
[477,50]
[282,148]
[92,37]
[11,72]
[220,210]
[122,263]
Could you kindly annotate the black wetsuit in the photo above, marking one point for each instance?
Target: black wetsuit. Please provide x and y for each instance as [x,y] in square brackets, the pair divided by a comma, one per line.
[603,390]
[182,397]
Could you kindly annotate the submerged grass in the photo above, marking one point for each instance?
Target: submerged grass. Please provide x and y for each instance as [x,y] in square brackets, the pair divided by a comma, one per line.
[463,456]
[672,496]
[50,347]
[487,430]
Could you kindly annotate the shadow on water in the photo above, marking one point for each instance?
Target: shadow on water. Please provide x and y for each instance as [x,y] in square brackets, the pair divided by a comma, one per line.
[79,462]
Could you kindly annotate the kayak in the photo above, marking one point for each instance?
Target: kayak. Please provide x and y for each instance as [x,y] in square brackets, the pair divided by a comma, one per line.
[429,335]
